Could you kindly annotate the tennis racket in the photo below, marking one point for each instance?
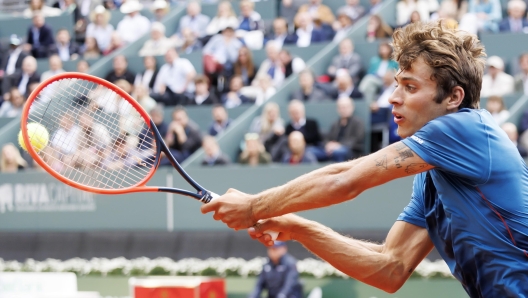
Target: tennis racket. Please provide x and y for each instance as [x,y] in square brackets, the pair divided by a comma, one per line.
[100,138]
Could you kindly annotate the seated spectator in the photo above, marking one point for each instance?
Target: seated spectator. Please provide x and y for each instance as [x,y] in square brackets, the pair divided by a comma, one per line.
[221,120]
[225,18]
[158,44]
[496,81]
[254,152]
[11,161]
[183,136]
[269,125]
[318,11]
[244,66]
[175,79]
[39,37]
[133,26]
[39,6]
[156,114]
[497,109]
[99,28]
[64,46]
[378,66]
[91,49]
[194,20]
[308,127]
[290,64]
[202,93]
[377,29]
[221,52]
[120,71]
[115,43]
[83,66]
[342,26]
[22,79]
[451,10]
[481,16]
[346,137]
[511,130]
[142,96]
[13,107]
[147,78]
[263,88]
[71,7]
[281,35]
[297,152]
[55,68]
[272,64]
[65,139]
[516,21]
[381,107]
[249,19]
[347,59]
[288,9]
[344,86]
[375,6]
[521,79]
[190,43]
[353,9]
[11,59]
[234,97]
[306,32]
[160,9]
[308,91]
[213,155]
[415,18]
[405,8]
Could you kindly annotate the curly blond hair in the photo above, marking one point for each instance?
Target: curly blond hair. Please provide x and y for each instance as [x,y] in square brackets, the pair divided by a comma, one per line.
[457,58]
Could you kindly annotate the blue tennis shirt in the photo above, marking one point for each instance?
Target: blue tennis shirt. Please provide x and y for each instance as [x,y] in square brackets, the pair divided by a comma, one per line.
[474,203]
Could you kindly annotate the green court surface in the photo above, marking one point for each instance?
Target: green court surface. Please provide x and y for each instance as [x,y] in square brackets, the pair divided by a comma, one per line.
[332,287]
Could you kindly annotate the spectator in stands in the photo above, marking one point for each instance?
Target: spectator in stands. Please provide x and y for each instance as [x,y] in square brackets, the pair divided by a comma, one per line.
[66,136]
[83,66]
[234,97]
[183,135]
[11,59]
[306,32]
[375,6]
[221,52]
[190,42]
[516,21]
[342,26]
[249,19]
[496,81]
[99,28]
[288,10]
[39,37]
[353,9]
[120,70]
[225,18]
[521,79]
[11,161]
[39,6]
[175,80]
[272,65]
[378,66]
[90,49]
[347,59]
[377,29]
[147,78]
[290,65]
[308,92]
[298,152]
[513,135]
[156,114]
[13,107]
[298,122]
[55,67]
[244,66]
[158,44]
[414,18]
[221,120]
[142,96]
[346,137]
[71,7]
[23,78]
[344,86]
[194,20]
[115,43]
[482,15]
[202,93]
[381,106]
[160,9]
[318,11]
[64,46]
[254,152]
[133,26]
[269,125]
[497,109]
[280,34]
[213,155]
[263,88]
[405,8]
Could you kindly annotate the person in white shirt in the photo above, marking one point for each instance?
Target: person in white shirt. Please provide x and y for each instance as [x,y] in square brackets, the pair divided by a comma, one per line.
[147,78]
[496,81]
[497,109]
[55,67]
[521,79]
[404,9]
[65,139]
[158,44]
[272,64]
[225,17]
[99,28]
[133,25]
[174,79]
[194,20]
[14,106]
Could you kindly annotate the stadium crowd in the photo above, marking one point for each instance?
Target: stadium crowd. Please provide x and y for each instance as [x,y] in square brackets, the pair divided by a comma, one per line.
[230,77]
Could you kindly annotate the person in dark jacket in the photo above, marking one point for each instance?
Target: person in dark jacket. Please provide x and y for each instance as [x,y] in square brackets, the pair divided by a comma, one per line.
[66,48]
[203,94]
[279,275]
[308,91]
[39,36]
[221,120]
[23,78]
[183,136]
[213,155]
[120,71]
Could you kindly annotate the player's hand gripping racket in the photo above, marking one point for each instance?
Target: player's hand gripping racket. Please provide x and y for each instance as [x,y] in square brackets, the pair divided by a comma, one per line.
[100,139]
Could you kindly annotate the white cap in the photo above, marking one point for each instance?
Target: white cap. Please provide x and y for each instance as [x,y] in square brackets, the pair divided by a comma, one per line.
[131,6]
[495,61]
[159,4]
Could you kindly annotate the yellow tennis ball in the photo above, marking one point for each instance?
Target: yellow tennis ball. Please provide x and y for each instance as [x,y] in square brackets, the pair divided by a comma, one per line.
[38,136]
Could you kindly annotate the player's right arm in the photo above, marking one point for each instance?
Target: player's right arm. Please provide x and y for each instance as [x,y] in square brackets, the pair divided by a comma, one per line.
[385,266]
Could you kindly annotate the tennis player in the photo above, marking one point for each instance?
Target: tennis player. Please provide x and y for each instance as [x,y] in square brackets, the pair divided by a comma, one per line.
[470,192]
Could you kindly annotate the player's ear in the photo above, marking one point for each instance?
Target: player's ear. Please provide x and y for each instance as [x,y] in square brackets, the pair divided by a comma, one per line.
[455,99]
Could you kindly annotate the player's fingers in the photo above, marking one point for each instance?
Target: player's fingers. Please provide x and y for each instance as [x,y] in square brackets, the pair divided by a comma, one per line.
[206,208]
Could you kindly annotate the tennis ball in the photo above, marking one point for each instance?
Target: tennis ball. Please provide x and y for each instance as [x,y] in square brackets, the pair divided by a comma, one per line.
[38,136]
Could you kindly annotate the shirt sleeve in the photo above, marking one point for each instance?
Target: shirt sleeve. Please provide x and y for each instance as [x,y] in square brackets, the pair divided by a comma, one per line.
[414,212]
[456,143]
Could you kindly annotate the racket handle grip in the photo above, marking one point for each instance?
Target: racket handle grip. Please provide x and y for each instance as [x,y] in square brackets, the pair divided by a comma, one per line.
[272,234]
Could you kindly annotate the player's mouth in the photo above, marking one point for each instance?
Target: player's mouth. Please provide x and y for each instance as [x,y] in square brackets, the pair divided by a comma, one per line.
[398,118]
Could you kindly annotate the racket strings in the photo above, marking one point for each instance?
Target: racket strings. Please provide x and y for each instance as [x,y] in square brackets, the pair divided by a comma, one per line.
[97,138]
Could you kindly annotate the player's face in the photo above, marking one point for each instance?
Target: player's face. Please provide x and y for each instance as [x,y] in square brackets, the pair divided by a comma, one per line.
[413,100]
